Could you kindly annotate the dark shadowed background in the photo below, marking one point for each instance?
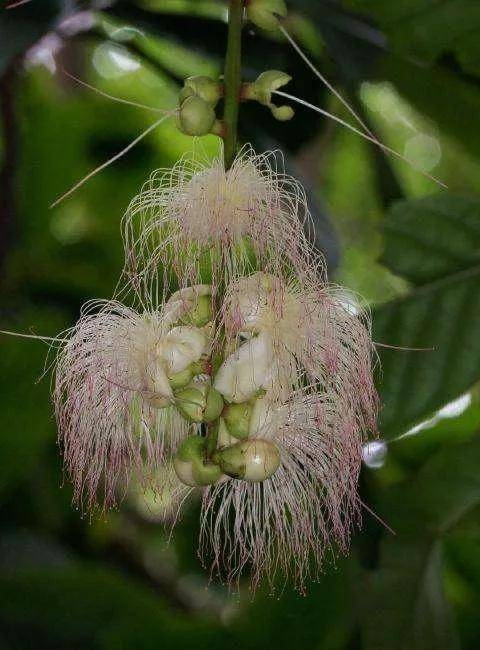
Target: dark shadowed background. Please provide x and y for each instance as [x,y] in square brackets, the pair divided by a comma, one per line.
[411,68]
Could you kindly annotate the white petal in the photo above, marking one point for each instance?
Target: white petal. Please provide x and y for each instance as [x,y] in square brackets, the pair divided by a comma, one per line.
[182,346]
[247,370]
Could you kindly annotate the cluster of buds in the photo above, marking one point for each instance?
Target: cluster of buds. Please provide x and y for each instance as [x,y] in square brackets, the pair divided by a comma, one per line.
[197,101]
[200,95]
[251,383]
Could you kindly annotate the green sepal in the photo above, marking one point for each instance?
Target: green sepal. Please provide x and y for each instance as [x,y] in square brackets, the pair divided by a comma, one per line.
[192,450]
[181,379]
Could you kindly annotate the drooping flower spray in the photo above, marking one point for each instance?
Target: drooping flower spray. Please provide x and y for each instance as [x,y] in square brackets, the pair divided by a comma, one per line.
[225,354]
[291,355]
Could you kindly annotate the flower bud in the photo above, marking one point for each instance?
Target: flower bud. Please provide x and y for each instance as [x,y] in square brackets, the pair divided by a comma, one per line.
[199,402]
[191,465]
[193,304]
[252,460]
[185,93]
[262,88]
[201,314]
[282,113]
[247,370]
[196,116]
[237,419]
[181,379]
[263,13]
[204,87]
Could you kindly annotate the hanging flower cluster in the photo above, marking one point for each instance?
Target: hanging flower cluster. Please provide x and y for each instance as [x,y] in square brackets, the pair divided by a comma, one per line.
[237,363]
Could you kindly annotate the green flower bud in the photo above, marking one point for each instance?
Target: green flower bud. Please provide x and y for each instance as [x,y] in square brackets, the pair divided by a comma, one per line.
[204,87]
[263,13]
[191,448]
[213,406]
[191,465]
[262,88]
[185,93]
[282,113]
[252,460]
[196,116]
[181,379]
[200,314]
[237,419]
[261,91]
[199,402]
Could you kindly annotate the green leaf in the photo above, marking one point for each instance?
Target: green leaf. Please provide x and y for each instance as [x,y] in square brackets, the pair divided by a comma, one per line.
[427,29]
[442,312]
[407,609]
[455,115]
[405,596]
[433,237]
[448,487]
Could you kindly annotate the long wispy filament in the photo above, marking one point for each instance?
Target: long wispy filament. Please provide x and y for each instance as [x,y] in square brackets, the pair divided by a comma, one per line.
[113,98]
[54,339]
[325,81]
[339,120]
[113,159]
[13,5]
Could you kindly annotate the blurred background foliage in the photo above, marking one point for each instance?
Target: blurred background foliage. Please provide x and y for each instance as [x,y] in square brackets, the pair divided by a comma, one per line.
[412,70]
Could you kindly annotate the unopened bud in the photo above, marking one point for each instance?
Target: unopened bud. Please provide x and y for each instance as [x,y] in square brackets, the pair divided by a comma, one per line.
[199,402]
[201,313]
[237,419]
[193,304]
[263,13]
[282,113]
[196,116]
[262,88]
[191,465]
[252,460]
[204,87]
[181,379]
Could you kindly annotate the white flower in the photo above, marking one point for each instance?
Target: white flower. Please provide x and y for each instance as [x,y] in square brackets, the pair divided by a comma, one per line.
[113,395]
